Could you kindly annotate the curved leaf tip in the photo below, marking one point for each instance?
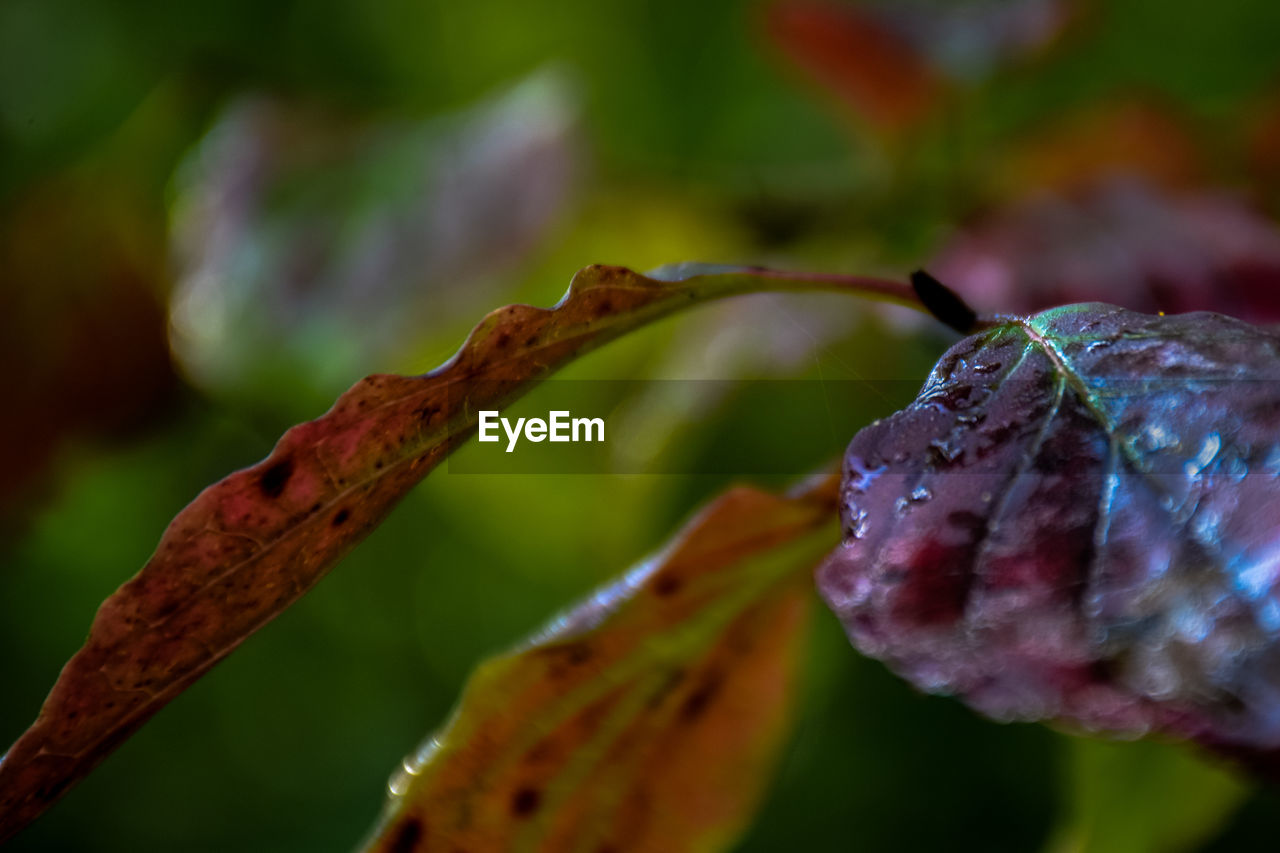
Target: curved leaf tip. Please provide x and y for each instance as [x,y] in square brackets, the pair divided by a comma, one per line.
[645,719]
[253,543]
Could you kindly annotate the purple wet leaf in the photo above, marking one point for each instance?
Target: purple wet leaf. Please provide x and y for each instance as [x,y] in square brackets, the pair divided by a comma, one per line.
[1076,521]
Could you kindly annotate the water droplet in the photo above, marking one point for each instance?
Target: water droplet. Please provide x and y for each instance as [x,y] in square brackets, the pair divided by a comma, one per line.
[1256,580]
[945,451]
[1193,626]
[1160,679]
[920,494]
[859,524]
[1209,448]
[1156,437]
[409,768]
[860,476]
[1272,463]
[1270,616]
[1205,525]
[399,784]
[952,397]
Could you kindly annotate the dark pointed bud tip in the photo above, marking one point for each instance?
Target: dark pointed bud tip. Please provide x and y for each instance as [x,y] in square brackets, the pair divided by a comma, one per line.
[943,303]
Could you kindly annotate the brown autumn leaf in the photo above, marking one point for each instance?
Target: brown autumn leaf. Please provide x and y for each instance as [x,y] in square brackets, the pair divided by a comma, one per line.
[849,53]
[897,63]
[645,719]
[250,545]
[1143,137]
[1262,151]
[83,284]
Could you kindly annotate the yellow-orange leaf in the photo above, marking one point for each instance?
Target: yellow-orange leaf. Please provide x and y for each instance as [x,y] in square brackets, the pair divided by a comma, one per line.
[646,719]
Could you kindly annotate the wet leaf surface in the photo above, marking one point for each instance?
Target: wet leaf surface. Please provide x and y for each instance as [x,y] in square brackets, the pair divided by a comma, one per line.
[645,719]
[253,543]
[1077,521]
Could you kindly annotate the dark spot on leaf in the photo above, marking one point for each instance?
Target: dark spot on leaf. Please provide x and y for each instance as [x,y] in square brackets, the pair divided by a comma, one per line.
[701,696]
[578,653]
[502,341]
[1230,702]
[1104,669]
[604,306]
[525,802]
[673,680]
[341,516]
[970,522]
[571,653]
[667,585]
[274,479]
[562,658]
[406,837]
[54,789]
[937,584]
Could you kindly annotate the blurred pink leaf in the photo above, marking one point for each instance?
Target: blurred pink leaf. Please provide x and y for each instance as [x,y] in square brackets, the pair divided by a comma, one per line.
[1120,241]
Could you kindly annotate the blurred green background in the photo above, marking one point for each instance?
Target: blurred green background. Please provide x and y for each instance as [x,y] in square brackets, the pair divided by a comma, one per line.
[216,216]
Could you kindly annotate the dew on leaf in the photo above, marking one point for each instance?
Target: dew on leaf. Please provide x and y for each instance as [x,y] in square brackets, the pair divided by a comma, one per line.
[859,523]
[1117,567]
[1208,452]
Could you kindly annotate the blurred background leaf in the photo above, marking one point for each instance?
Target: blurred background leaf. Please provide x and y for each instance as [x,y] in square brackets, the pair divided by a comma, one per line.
[327,160]
[647,716]
[1184,800]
